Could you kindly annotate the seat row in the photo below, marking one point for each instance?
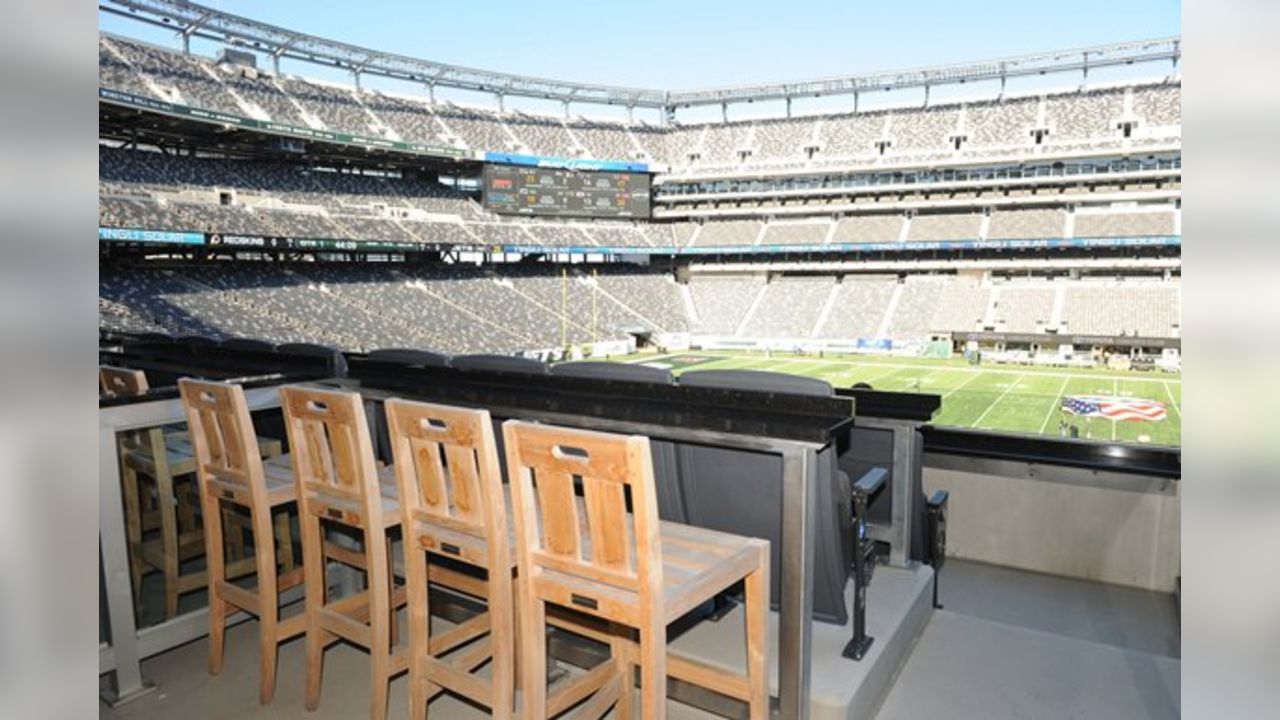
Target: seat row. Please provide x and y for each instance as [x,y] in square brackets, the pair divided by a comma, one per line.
[572,541]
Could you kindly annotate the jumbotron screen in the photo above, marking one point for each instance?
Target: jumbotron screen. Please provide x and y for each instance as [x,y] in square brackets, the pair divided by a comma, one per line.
[516,190]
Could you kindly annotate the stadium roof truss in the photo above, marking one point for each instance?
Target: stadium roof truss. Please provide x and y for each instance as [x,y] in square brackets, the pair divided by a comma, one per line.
[192,20]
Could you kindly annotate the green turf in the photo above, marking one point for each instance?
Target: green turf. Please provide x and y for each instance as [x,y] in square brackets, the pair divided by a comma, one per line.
[991,397]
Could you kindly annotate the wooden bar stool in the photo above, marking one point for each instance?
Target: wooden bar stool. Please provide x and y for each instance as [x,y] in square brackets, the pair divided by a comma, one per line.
[628,568]
[450,483]
[169,502]
[230,471]
[454,505]
[338,482]
[125,382]
[170,507]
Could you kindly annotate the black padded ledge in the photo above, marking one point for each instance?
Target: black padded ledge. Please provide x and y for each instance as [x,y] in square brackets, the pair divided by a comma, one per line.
[917,407]
[1132,459]
[164,361]
[170,392]
[739,412]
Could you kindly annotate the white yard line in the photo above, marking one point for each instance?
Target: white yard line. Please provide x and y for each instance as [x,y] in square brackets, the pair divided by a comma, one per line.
[931,373]
[920,380]
[814,363]
[1174,403]
[875,378]
[976,374]
[1012,385]
[1057,405]
[764,364]
[647,359]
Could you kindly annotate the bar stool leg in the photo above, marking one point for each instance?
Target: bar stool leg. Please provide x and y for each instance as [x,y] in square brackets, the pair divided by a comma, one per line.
[533,655]
[284,542]
[169,542]
[620,649]
[313,571]
[502,639]
[394,632]
[235,534]
[757,619]
[268,604]
[379,627]
[653,670]
[415,568]
[133,524]
[517,666]
[214,573]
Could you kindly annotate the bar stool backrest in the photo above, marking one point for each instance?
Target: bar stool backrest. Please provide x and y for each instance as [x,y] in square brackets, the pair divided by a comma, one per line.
[446,462]
[118,381]
[228,462]
[127,382]
[332,455]
[607,546]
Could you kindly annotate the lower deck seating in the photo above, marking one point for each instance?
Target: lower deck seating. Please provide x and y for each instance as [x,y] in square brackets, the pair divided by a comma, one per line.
[515,308]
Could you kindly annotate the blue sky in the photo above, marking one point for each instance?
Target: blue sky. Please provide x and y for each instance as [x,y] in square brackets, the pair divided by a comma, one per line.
[668,44]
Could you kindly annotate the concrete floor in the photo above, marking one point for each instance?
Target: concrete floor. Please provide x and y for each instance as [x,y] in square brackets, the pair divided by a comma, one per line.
[1010,644]
[1013,644]
[187,691]
[1110,614]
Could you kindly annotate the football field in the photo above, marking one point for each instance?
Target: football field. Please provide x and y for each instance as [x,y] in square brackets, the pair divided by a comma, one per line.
[989,397]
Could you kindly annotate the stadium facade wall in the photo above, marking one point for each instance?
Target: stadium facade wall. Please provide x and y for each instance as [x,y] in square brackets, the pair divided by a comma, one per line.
[805,345]
[1074,340]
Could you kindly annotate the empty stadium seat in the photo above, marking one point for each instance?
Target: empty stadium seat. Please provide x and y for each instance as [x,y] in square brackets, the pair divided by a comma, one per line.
[500,363]
[337,361]
[1072,119]
[405,356]
[248,344]
[197,340]
[630,372]
[757,380]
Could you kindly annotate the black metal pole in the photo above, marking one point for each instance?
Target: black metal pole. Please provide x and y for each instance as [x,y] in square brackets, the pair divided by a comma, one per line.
[863,561]
[937,541]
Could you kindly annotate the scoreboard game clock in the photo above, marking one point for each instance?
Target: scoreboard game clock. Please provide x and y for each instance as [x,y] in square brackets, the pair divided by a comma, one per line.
[517,190]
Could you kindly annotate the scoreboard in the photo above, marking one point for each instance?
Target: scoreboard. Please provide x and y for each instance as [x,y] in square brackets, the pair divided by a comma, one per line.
[516,190]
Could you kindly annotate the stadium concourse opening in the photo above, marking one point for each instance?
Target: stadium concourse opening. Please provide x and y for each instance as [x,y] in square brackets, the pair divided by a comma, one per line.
[929,352]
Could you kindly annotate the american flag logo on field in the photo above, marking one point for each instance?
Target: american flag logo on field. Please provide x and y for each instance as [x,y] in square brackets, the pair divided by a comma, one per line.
[1114,408]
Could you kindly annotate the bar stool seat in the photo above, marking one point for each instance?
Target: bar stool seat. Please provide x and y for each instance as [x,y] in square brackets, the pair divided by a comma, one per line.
[689,555]
[181,455]
[178,452]
[696,564]
[282,488]
[278,472]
